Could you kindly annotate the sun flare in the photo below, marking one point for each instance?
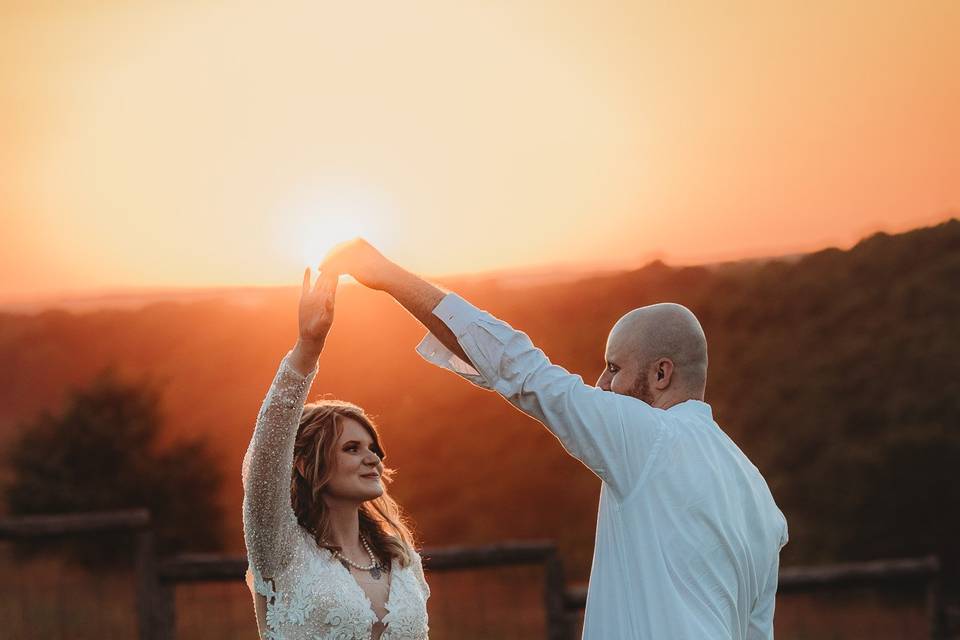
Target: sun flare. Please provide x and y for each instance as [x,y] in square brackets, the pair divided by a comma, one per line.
[320,220]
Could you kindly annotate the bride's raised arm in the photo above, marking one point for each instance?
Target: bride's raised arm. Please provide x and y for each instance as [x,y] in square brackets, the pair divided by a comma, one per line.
[269,522]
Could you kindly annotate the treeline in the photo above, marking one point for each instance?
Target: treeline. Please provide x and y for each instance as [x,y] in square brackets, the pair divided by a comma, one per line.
[837,373]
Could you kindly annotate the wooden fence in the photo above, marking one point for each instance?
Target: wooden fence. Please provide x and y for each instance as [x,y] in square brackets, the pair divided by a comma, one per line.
[136,521]
[156,580]
[219,568]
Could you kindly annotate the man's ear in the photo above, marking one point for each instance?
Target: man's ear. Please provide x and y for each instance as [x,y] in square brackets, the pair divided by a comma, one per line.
[663,373]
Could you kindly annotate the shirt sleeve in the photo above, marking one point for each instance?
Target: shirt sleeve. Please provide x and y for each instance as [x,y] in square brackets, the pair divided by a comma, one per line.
[269,523]
[616,436]
[761,618]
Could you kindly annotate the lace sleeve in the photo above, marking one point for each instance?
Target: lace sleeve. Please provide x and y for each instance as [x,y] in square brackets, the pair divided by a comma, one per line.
[269,524]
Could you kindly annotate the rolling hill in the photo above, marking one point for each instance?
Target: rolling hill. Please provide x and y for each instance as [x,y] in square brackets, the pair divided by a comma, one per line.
[837,372]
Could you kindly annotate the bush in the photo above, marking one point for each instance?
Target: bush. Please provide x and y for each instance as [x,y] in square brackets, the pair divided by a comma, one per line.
[101,453]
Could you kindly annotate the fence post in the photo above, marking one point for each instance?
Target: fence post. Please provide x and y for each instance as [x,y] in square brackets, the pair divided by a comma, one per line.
[558,626]
[166,611]
[935,608]
[145,566]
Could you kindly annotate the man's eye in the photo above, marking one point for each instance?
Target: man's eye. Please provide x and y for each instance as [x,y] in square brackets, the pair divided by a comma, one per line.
[612,368]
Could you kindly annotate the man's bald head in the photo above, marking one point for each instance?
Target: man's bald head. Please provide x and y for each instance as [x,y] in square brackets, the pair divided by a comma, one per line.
[657,353]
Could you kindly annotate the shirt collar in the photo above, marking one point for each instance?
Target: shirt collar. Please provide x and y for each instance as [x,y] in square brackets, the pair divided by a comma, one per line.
[693,406]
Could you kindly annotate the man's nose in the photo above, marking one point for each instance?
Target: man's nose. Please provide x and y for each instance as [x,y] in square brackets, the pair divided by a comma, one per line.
[602,382]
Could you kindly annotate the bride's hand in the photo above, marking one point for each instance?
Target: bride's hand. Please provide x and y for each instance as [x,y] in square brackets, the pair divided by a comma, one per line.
[316,310]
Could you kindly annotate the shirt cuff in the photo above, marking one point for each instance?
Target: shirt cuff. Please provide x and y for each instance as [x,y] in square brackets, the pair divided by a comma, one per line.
[434,352]
[457,313]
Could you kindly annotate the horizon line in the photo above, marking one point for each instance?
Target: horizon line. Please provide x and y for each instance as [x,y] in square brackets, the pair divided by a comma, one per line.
[127,296]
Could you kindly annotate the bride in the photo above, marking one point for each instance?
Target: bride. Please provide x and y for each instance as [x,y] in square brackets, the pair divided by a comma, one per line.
[328,551]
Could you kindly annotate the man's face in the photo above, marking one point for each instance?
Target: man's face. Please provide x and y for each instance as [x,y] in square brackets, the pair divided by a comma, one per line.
[624,372]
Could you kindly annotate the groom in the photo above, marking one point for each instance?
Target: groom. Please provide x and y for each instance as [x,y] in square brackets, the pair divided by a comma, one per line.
[688,535]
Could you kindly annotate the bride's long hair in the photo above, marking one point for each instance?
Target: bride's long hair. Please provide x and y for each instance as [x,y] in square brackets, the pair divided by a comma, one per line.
[382,521]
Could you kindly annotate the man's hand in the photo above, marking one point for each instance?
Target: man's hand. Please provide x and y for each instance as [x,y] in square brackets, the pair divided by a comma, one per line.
[361,260]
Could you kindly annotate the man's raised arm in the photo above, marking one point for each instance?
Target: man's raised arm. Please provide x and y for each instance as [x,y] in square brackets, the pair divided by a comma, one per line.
[589,422]
[362,261]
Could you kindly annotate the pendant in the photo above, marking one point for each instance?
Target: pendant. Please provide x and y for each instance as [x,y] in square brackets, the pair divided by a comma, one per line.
[375,572]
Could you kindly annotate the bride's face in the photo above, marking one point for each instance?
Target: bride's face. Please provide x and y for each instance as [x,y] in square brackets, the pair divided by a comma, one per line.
[357,469]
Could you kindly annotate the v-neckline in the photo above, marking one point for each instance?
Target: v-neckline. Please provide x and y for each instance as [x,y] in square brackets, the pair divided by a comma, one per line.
[363,594]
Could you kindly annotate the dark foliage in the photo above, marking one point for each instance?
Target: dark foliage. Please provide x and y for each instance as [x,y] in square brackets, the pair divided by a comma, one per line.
[102,453]
[845,387]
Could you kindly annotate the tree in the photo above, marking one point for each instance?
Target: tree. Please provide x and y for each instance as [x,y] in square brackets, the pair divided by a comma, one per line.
[101,453]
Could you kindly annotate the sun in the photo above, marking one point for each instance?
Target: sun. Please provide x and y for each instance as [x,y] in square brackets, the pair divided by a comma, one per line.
[314,222]
[322,232]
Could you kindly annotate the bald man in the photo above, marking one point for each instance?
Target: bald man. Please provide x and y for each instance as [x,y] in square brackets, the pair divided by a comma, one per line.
[688,535]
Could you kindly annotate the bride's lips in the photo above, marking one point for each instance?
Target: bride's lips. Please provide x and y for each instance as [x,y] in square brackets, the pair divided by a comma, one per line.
[370,475]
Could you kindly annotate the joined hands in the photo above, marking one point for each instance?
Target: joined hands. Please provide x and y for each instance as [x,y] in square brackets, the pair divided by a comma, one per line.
[361,260]
[356,258]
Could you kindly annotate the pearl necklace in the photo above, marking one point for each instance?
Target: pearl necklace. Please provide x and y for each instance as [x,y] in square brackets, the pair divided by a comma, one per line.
[374,568]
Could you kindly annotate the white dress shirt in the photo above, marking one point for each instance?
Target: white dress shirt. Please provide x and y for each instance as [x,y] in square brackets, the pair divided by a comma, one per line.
[688,534]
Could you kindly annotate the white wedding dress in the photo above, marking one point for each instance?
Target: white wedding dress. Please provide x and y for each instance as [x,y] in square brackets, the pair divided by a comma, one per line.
[301,592]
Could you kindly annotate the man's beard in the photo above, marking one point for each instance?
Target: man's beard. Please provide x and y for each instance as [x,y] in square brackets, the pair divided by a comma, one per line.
[641,390]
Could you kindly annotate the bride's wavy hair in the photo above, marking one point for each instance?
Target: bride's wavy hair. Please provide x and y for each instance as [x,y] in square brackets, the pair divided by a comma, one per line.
[382,521]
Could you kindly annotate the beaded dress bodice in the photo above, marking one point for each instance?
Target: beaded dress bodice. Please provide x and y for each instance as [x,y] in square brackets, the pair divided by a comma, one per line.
[308,594]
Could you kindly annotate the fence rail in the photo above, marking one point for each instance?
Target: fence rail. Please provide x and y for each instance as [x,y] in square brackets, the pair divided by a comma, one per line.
[136,521]
[157,579]
[185,568]
[40,526]
[859,573]
[923,572]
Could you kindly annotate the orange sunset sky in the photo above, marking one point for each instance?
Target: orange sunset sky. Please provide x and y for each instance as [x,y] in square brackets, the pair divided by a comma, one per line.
[208,143]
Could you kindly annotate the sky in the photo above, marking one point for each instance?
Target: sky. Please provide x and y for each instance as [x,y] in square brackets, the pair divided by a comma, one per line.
[211,143]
